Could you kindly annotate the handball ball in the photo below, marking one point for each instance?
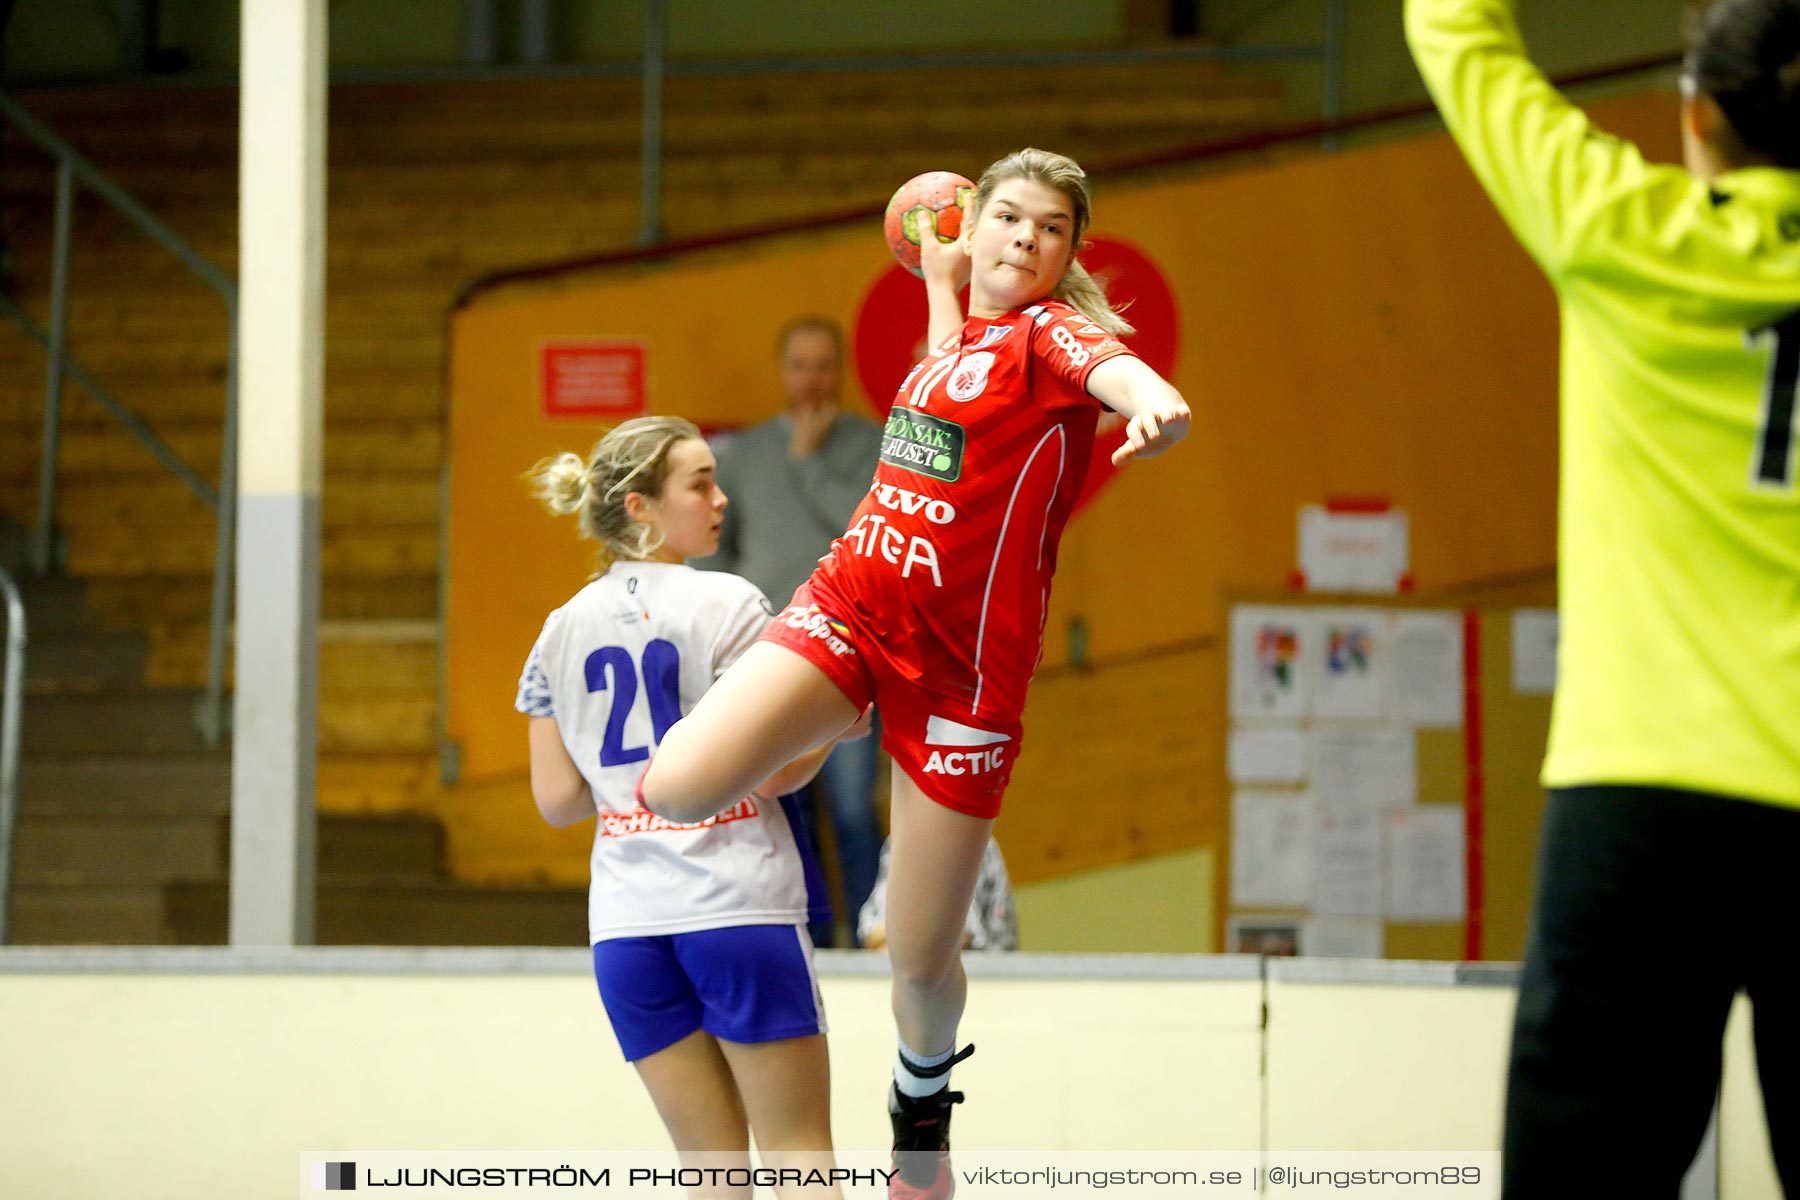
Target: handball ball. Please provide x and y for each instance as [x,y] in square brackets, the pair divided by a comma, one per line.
[940,192]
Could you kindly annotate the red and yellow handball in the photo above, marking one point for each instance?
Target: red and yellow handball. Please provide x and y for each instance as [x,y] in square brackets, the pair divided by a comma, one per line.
[940,192]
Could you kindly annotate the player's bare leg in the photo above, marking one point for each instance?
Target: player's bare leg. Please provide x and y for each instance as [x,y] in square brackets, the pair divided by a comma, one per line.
[935,864]
[936,861]
[696,1095]
[786,1091]
[770,708]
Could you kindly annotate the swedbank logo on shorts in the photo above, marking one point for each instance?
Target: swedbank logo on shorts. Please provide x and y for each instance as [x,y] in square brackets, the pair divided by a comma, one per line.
[815,624]
[924,444]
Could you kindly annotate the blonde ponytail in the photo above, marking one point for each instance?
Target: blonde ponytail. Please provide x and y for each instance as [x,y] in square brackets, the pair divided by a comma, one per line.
[1082,292]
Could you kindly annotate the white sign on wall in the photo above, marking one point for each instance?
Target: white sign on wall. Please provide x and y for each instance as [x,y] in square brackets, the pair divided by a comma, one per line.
[1534,637]
[1353,550]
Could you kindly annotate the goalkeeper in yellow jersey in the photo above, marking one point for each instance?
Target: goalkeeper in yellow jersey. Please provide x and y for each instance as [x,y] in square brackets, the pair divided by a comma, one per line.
[1673,828]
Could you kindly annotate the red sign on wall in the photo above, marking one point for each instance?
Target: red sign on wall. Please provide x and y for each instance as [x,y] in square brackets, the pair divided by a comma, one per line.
[592,380]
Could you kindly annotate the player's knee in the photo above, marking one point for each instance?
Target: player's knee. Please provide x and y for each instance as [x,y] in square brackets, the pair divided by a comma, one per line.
[924,970]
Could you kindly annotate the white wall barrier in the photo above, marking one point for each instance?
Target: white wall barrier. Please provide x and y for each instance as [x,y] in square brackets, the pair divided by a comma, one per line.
[193,1073]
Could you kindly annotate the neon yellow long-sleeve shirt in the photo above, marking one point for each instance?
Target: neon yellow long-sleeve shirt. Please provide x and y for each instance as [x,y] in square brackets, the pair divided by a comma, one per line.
[1679,549]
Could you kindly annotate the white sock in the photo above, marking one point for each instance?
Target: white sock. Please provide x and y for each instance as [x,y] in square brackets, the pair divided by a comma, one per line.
[913,1084]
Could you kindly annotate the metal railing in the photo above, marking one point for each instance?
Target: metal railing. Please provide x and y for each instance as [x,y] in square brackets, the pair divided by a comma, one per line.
[10,703]
[73,170]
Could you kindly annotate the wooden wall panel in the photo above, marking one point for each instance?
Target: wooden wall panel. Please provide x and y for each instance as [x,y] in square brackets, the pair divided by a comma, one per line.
[1353,324]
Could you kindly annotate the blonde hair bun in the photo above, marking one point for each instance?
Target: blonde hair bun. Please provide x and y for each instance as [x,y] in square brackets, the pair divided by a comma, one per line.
[632,457]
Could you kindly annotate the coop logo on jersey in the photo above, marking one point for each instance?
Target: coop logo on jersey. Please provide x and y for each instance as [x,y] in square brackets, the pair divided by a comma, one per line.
[1078,354]
[815,624]
[923,444]
[969,379]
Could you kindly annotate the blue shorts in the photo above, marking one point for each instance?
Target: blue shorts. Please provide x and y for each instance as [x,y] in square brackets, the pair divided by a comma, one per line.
[746,983]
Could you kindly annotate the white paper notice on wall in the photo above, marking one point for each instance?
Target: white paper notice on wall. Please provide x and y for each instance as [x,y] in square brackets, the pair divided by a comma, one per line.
[1268,662]
[1347,881]
[1426,864]
[1426,669]
[1349,654]
[1271,849]
[1276,754]
[1365,769]
[1342,937]
[1534,634]
[1353,551]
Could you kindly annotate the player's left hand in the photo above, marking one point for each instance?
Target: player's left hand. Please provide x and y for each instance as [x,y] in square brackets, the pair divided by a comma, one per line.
[1150,433]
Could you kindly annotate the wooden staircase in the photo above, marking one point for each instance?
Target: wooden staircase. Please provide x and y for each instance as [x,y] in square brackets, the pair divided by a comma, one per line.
[123,833]
[430,186]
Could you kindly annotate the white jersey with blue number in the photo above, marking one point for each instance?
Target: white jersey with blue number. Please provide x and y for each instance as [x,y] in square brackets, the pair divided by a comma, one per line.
[618,664]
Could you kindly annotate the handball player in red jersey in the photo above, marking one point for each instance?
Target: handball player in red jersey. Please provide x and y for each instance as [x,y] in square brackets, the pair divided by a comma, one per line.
[932,603]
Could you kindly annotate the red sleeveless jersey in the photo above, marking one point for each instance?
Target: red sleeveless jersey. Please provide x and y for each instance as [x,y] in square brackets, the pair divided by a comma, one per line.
[948,559]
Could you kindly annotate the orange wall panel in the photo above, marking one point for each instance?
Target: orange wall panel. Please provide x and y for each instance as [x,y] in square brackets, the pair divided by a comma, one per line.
[1352,324]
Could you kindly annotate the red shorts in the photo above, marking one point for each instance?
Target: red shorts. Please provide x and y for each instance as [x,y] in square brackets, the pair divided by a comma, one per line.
[961,766]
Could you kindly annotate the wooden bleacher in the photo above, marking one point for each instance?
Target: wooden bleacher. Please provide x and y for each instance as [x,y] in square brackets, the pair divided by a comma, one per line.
[432,185]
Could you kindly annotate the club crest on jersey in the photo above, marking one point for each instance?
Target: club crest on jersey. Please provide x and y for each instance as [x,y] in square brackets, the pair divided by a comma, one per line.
[970,377]
[923,444]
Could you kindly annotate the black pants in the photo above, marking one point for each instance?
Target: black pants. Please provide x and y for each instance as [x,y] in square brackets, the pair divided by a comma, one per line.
[1654,908]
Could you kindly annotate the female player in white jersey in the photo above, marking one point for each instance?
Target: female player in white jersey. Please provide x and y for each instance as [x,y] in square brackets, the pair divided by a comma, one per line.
[933,602]
[1673,825]
[699,930]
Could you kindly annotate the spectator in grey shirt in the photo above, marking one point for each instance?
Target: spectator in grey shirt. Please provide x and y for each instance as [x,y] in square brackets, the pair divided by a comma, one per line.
[794,481]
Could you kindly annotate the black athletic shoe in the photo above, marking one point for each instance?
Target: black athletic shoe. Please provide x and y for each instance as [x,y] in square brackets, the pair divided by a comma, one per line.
[921,1145]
